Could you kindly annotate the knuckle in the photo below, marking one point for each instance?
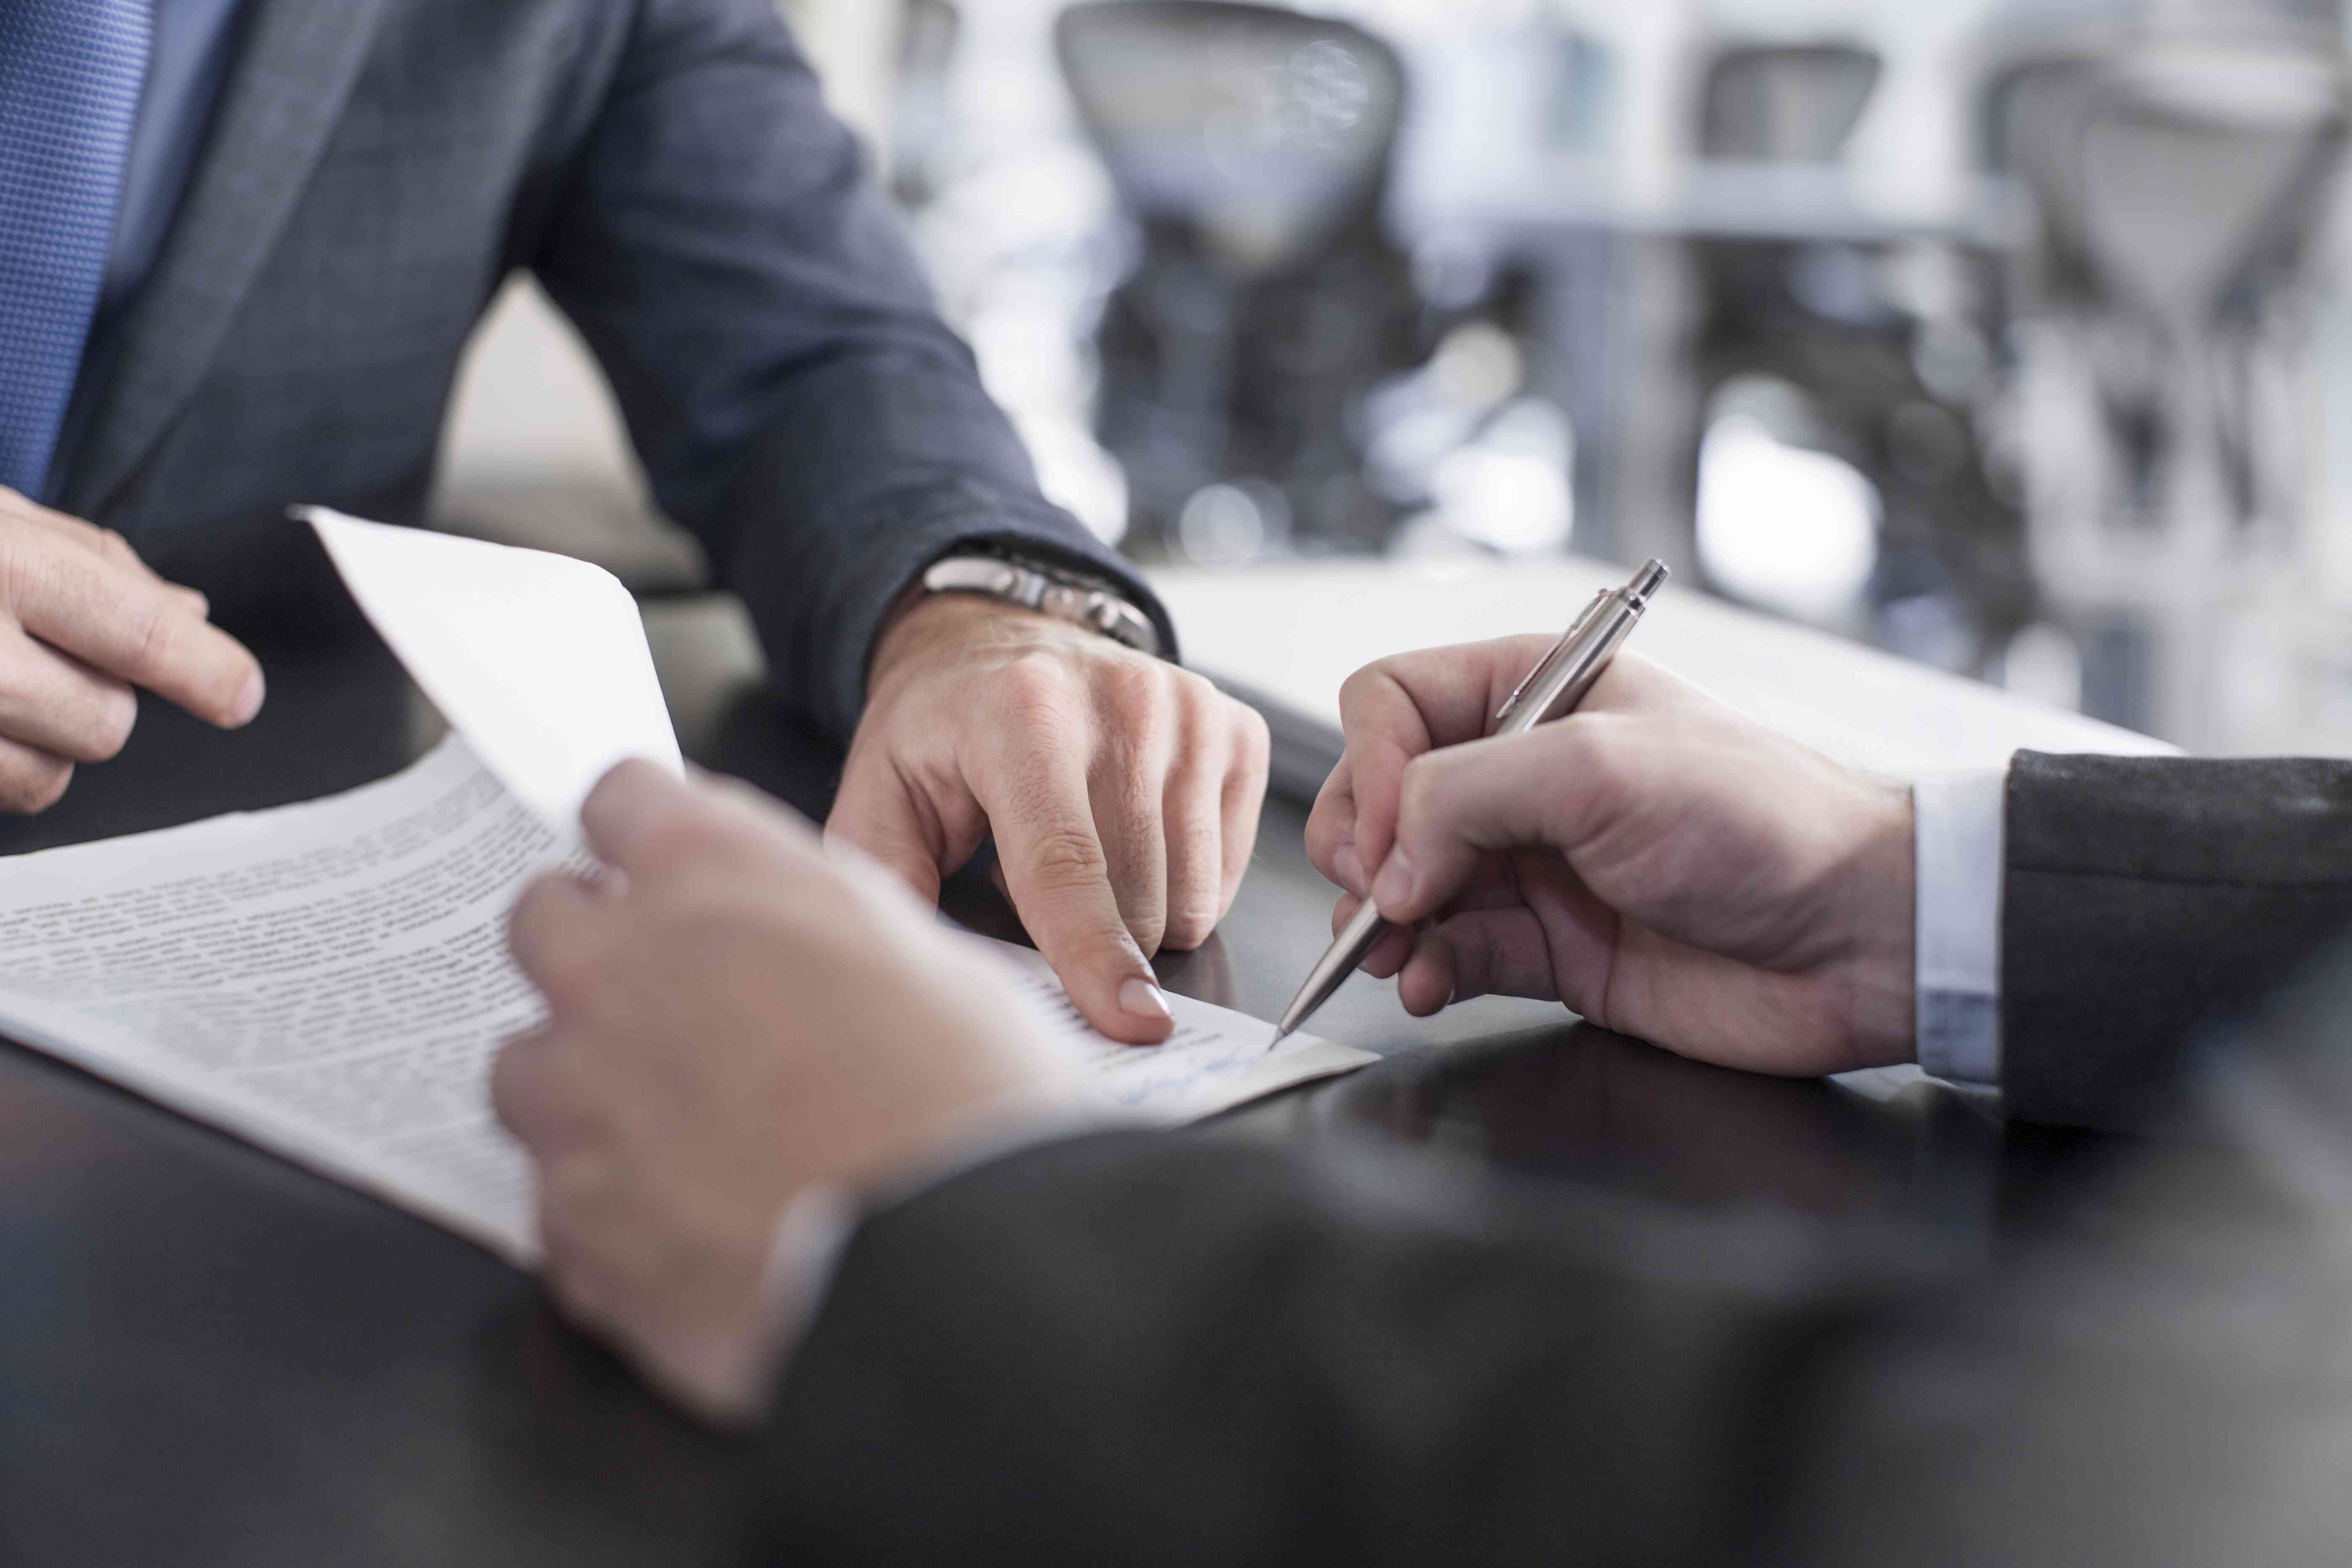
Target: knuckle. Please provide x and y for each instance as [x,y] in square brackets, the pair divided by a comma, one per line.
[1191,920]
[1134,687]
[565,970]
[1324,833]
[113,714]
[514,1093]
[1419,791]
[1335,803]
[1190,685]
[1151,934]
[689,838]
[568,975]
[569,1280]
[24,569]
[32,784]
[578,1186]
[152,639]
[1061,858]
[1254,736]
[1035,684]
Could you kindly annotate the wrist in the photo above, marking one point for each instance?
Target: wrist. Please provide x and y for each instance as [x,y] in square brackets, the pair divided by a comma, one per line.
[923,627]
[1024,586]
[1878,888]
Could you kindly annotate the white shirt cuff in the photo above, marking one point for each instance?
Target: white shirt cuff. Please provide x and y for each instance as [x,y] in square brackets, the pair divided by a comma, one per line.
[1958,830]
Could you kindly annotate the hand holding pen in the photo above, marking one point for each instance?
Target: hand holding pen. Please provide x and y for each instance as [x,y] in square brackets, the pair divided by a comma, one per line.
[1554,687]
[1658,863]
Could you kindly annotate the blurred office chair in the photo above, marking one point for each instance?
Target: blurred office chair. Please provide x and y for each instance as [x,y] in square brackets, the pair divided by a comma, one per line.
[1251,147]
[2178,183]
[1841,348]
[1786,103]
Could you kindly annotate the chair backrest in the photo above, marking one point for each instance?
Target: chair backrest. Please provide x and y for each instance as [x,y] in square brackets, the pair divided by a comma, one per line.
[2163,178]
[1786,103]
[1266,132]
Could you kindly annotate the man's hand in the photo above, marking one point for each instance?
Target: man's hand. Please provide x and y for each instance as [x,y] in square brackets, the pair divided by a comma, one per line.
[82,621]
[734,1018]
[1664,867]
[1123,792]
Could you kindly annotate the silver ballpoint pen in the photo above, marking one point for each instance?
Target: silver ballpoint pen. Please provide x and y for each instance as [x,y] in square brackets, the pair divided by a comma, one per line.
[1552,689]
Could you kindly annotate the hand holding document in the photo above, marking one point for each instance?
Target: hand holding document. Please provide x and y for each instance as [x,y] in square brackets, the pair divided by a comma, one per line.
[330,980]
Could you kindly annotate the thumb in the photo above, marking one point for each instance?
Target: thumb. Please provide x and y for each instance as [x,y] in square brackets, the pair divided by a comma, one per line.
[1513,792]
[875,811]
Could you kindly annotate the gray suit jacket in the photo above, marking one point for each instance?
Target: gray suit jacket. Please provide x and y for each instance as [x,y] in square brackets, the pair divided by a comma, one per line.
[668,170]
[2143,899]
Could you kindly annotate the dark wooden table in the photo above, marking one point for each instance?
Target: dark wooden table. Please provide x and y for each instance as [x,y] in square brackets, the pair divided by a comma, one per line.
[208,1356]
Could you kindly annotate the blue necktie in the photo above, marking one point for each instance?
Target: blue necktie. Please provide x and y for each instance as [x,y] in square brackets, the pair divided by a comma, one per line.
[71,72]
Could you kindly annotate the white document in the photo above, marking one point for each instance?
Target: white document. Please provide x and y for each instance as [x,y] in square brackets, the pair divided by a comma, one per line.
[330,981]
[539,660]
[327,980]
[1216,1059]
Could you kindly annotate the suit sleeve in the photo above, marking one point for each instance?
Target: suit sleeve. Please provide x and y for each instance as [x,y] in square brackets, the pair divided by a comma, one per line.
[796,400]
[2142,898]
[1141,1349]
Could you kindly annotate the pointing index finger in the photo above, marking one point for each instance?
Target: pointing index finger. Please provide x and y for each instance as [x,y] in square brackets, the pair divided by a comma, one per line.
[1059,879]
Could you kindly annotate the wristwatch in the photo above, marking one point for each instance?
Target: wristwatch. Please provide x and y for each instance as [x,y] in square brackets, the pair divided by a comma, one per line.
[1093,603]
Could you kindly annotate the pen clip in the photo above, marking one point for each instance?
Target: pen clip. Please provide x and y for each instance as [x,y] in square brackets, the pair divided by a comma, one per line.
[1575,629]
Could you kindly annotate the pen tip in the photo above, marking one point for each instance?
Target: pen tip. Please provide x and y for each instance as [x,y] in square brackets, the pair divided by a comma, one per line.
[1280,1035]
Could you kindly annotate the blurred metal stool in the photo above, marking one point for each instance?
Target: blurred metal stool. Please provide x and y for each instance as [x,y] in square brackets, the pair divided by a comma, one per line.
[1251,147]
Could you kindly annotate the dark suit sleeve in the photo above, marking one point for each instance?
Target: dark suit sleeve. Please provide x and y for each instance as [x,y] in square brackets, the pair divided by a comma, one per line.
[796,400]
[2144,897]
[1142,1350]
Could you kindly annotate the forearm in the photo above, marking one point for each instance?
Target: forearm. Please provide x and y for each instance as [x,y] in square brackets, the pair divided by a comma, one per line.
[873,469]
[1141,1348]
[795,397]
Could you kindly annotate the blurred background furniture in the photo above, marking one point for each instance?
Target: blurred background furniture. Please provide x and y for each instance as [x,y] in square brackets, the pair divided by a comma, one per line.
[1836,471]
[1250,148]
[2181,175]
[2011,338]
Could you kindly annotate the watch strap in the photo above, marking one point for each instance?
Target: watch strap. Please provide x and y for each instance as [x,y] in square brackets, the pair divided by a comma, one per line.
[1087,601]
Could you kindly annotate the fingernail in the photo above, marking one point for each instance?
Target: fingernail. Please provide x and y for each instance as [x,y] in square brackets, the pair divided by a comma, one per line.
[1145,1000]
[249,700]
[1396,884]
[1350,867]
